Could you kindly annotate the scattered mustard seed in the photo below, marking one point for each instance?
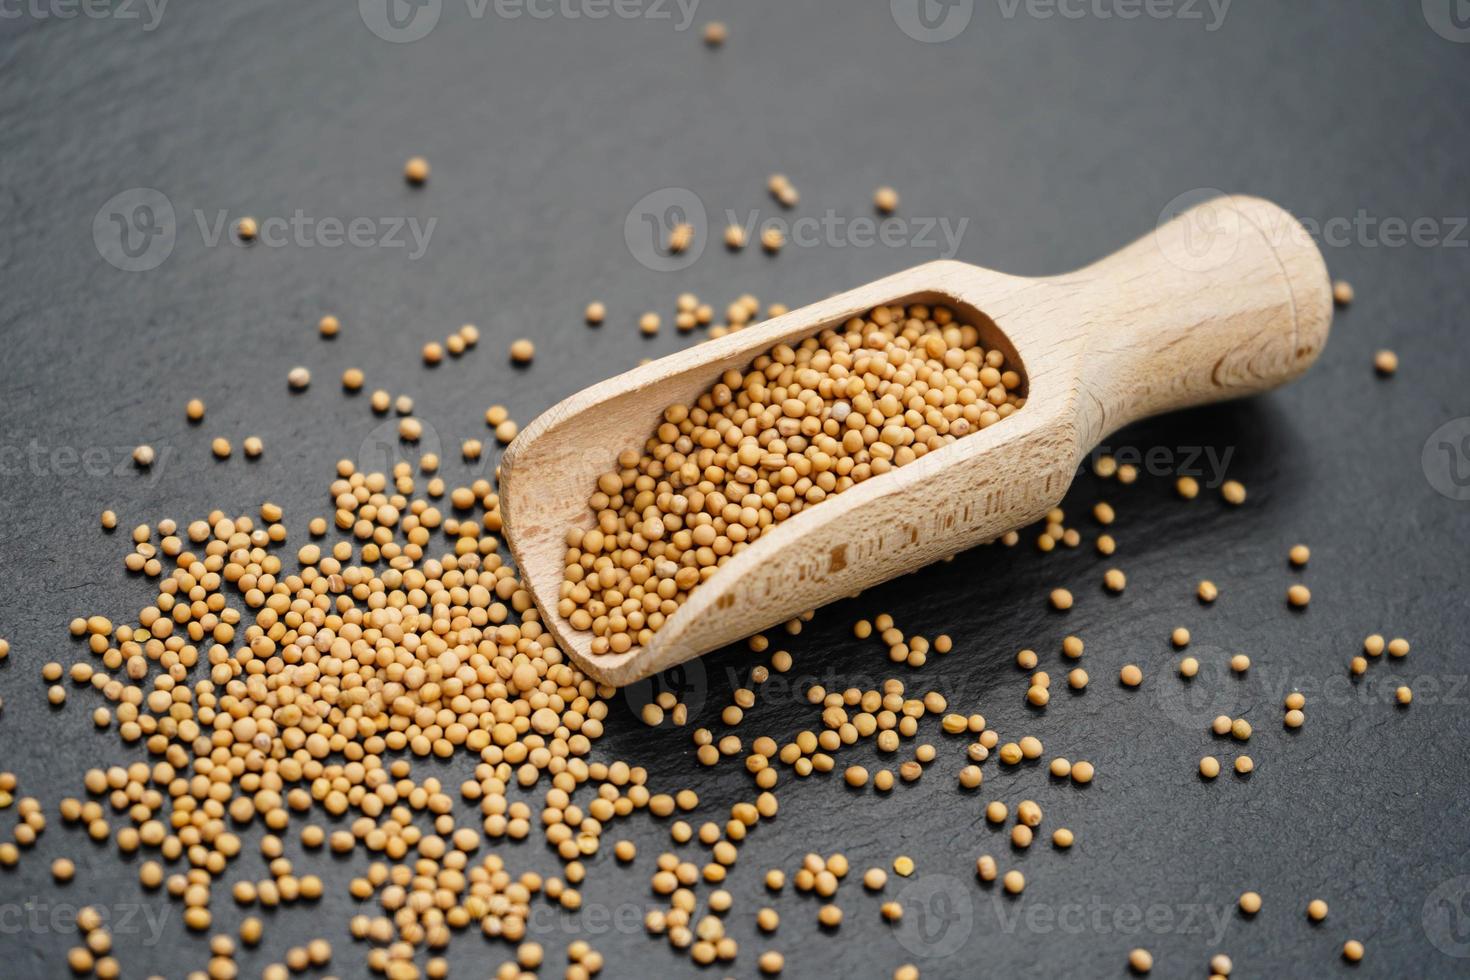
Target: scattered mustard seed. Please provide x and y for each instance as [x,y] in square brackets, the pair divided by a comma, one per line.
[885,199]
[521,351]
[416,170]
[1342,292]
[1386,362]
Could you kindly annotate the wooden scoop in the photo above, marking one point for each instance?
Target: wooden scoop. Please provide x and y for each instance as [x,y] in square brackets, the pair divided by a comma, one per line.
[1229,299]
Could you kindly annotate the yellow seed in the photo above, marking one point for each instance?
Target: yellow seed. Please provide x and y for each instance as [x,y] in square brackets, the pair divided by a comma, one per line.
[1233,491]
[1298,596]
[329,326]
[63,870]
[648,323]
[1207,591]
[885,199]
[1352,950]
[1188,667]
[1061,599]
[830,916]
[1130,675]
[1014,882]
[247,229]
[416,170]
[1140,961]
[1241,729]
[595,313]
[1240,663]
[1220,965]
[1294,718]
[772,238]
[771,962]
[522,350]
[1403,694]
[1062,837]
[433,353]
[1077,679]
[1398,647]
[1209,767]
[1082,772]
[715,33]
[1342,292]
[1244,765]
[903,865]
[1250,903]
[220,447]
[1299,555]
[143,456]
[194,410]
[1115,580]
[1180,637]
[298,378]
[1296,700]
[1316,910]
[1385,362]
[1187,487]
[734,237]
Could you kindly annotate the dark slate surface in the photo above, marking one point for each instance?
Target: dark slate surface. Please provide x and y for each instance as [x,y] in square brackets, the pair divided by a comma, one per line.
[1056,139]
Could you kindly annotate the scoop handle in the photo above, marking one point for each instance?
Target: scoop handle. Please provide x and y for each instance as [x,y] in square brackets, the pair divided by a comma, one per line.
[1228,299]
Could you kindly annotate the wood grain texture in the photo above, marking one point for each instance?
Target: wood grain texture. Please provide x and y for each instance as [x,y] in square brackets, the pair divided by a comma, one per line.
[1229,299]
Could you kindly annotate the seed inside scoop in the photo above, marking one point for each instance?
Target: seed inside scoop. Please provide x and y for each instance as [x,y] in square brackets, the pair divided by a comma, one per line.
[800,424]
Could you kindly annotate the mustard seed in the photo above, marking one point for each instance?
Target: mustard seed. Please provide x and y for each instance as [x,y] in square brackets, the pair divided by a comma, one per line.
[1299,555]
[1061,599]
[1386,362]
[1220,965]
[715,33]
[885,199]
[1187,487]
[1403,694]
[1244,765]
[1179,637]
[1398,647]
[1082,773]
[1240,663]
[1298,596]
[298,378]
[1294,718]
[63,870]
[734,237]
[1140,961]
[1207,592]
[194,410]
[1316,910]
[1209,767]
[109,522]
[1352,951]
[1233,491]
[1014,882]
[416,170]
[247,229]
[1342,292]
[522,351]
[1130,675]
[1114,580]
[772,238]
[352,379]
[143,456]
[1250,903]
